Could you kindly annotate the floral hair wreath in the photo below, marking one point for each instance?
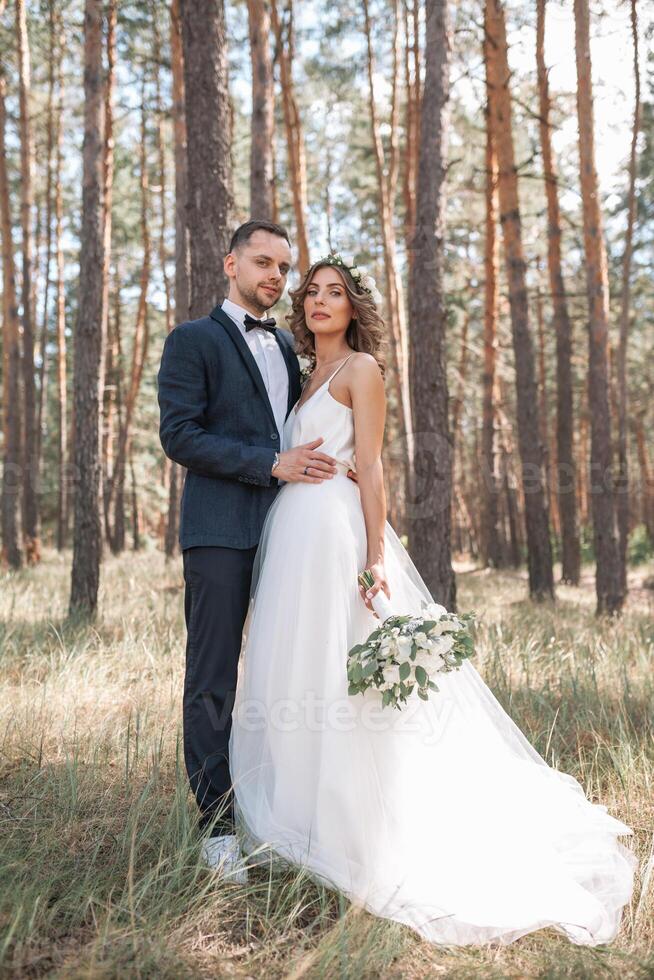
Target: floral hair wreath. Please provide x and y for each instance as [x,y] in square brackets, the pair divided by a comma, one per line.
[364,282]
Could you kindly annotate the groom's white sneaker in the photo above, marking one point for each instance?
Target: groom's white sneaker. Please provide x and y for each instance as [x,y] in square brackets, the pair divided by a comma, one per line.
[223,855]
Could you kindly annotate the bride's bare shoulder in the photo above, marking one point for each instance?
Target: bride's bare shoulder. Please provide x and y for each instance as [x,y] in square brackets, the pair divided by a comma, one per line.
[364,367]
[365,381]
[358,381]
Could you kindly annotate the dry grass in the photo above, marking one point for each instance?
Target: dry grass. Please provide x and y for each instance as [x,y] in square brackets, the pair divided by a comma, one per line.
[99,870]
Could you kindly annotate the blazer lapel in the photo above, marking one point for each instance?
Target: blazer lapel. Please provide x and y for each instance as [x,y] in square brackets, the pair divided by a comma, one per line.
[219,315]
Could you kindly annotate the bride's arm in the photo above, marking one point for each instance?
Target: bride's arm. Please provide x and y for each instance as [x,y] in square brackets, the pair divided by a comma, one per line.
[369,409]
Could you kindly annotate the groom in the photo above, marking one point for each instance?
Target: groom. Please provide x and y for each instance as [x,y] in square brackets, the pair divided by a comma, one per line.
[226,385]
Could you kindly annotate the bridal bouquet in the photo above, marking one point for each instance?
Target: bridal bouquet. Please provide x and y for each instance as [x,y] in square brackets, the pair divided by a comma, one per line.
[406,652]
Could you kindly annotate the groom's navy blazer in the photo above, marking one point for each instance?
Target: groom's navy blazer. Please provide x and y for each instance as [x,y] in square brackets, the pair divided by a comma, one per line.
[217,421]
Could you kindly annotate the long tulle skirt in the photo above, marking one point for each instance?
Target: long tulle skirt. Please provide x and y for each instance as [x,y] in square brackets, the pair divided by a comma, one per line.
[441,816]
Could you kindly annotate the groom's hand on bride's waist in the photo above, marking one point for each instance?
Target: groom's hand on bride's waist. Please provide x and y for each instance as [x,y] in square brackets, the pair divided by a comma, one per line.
[304,464]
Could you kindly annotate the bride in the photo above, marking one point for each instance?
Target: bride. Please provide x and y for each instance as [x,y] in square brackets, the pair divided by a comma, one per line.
[441,816]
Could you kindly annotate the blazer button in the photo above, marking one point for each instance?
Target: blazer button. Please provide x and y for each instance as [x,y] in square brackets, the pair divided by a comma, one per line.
[274,435]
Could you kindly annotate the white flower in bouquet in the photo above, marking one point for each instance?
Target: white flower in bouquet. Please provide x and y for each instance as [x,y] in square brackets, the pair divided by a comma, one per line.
[404,646]
[422,640]
[306,367]
[431,660]
[452,626]
[387,646]
[392,675]
[433,610]
[403,655]
[444,644]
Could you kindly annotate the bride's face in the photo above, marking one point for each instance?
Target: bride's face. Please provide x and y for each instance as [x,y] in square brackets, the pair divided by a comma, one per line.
[327,307]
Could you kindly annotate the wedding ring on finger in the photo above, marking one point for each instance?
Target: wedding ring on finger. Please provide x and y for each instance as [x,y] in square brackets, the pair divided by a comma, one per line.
[305,470]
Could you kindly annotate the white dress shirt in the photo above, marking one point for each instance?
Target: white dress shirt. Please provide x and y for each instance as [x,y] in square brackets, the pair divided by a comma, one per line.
[270,361]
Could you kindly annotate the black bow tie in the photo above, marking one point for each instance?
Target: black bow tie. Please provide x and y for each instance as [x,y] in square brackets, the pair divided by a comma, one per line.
[251,323]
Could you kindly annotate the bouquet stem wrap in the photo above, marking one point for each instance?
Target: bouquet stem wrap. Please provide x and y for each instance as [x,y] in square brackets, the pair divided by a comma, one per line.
[379,602]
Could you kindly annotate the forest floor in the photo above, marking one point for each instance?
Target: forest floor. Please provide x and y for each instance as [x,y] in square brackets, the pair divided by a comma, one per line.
[99,862]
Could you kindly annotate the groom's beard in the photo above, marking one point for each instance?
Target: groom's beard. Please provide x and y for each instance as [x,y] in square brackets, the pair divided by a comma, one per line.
[258,298]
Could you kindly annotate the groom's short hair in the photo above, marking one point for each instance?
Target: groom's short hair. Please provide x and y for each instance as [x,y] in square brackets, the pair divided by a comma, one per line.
[244,233]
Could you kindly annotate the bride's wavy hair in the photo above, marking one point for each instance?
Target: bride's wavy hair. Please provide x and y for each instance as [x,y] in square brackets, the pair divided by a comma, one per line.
[366,328]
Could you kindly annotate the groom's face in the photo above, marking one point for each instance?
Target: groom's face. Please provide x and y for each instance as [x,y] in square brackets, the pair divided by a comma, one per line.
[258,270]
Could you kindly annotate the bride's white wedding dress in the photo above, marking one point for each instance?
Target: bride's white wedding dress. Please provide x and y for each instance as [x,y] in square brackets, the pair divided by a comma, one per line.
[441,816]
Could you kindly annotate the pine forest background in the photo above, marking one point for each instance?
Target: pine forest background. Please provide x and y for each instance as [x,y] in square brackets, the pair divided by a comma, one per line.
[333,151]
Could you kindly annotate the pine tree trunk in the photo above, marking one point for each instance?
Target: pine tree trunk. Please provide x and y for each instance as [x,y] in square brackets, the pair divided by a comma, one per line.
[136,510]
[109,366]
[459,476]
[512,513]
[543,402]
[297,169]
[490,542]
[608,574]
[115,416]
[181,171]
[431,494]
[566,476]
[622,480]
[139,354]
[646,477]
[411,122]
[11,458]
[36,252]
[539,552]
[62,391]
[49,209]
[209,135]
[162,182]
[176,477]
[31,530]
[513,541]
[111,408]
[262,121]
[108,191]
[462,372]
[582,468]
[87,534]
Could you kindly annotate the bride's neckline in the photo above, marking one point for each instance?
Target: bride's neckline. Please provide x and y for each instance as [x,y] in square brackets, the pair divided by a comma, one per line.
[320,387]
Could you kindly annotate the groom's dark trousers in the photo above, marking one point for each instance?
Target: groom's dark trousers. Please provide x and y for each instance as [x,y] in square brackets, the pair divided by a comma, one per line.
[217,421]
[215,605]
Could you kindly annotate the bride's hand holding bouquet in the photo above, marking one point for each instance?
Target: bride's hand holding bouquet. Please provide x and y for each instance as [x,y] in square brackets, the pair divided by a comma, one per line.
[372,582]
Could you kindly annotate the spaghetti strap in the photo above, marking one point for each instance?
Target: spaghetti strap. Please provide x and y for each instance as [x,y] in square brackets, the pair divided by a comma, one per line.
[339,368]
